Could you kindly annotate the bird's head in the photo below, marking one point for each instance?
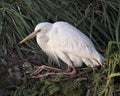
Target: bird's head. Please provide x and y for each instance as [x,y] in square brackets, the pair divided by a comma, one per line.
[40,28]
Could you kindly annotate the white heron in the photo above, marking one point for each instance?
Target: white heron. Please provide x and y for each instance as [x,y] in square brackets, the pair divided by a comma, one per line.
[60,40]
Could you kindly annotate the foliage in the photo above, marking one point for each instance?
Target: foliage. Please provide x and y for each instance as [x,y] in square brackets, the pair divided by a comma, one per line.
[98,19]
[112,72]
[104,82]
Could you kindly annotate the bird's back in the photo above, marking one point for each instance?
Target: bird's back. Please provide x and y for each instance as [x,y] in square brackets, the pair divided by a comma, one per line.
[65,29]
[67,37]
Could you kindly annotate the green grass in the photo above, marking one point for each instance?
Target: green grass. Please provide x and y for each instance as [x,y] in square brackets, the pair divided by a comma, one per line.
[87,82]
[98,19]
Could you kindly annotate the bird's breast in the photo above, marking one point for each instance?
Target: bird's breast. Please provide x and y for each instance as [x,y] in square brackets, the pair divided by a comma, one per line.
[42,41]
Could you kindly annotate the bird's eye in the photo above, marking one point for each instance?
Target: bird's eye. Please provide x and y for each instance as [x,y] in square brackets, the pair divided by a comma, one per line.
[38,30]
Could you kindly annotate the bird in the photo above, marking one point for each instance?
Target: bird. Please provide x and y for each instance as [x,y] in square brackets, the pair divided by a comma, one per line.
[62,41]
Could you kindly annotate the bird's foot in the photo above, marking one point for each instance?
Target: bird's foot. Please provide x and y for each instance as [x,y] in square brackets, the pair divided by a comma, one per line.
[52,74]
[36,74]
[44,67]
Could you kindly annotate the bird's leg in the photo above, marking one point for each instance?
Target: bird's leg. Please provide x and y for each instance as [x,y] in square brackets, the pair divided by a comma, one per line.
[73,72]
[68,69]
[44,67]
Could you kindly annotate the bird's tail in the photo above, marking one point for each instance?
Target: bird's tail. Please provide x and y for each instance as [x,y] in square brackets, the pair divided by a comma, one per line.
[93,62]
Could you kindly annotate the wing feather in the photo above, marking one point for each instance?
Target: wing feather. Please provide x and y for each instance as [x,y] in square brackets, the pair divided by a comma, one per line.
[67,38]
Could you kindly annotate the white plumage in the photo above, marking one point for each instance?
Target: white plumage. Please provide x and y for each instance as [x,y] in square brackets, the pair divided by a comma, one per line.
[64,41]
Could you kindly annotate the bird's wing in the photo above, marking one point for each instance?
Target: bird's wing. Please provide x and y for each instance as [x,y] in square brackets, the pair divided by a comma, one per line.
[66,38]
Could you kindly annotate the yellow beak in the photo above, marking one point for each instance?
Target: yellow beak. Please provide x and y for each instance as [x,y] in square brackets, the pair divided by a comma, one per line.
[33,34]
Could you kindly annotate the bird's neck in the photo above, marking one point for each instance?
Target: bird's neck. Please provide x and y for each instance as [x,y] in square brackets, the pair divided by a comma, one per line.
[43,37]
[42,40]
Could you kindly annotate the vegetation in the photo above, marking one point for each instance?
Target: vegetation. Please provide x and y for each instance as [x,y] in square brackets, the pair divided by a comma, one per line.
[98,19]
